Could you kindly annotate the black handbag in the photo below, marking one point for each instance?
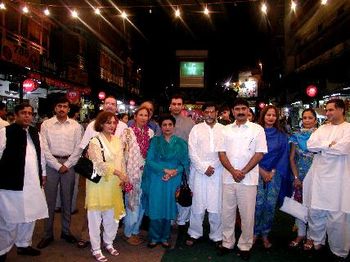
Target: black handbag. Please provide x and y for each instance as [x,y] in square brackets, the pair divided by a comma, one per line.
[184,193]
[85,167]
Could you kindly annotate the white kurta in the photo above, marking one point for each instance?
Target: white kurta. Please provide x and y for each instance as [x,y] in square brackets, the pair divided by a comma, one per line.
[207,191]
[30,204]
[327,184]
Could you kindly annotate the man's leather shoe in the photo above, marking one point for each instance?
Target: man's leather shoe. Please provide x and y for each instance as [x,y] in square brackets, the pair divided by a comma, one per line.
[28,251]
[69,238]
[245,255]
[44,242]
[223,251]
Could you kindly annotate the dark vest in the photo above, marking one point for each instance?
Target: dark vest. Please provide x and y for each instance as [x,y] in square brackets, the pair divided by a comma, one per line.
[13,158]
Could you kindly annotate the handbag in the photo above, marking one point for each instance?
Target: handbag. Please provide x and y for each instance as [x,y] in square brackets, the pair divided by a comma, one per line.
[294,208]
[85,167]
[183,193]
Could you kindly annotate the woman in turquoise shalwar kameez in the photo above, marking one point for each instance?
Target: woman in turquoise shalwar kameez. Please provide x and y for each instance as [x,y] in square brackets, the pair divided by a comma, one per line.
[166,159]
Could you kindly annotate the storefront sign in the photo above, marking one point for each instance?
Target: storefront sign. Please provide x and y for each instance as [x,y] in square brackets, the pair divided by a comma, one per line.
[19,55]
[311,91]
[73,96]
[29,85]
[101,95]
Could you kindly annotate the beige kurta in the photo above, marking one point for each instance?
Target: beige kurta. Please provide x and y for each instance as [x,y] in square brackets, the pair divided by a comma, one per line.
[107,194]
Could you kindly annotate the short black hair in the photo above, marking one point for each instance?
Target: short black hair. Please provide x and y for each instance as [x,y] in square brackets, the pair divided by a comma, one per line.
[209,104]
[164,117]
[21,106]
[177,96]
[240,101]
[338,103]
[62,100]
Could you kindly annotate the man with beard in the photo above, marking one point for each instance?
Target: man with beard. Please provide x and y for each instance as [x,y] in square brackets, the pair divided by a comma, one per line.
[241,147]
[62,137]
[22,200]
[205,176]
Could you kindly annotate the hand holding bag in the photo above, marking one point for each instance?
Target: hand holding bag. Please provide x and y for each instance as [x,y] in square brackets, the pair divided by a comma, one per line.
[294,208]
[184,193]
[85,167]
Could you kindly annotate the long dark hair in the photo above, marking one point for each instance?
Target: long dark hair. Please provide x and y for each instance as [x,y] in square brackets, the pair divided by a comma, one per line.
[263,113]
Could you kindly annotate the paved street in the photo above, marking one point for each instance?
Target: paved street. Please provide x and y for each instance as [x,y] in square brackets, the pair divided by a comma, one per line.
[59,250]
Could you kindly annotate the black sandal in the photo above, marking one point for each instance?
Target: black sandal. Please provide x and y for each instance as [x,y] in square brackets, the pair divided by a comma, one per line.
[83,243]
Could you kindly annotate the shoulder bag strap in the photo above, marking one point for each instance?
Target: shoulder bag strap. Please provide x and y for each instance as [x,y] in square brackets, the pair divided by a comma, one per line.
[102,150]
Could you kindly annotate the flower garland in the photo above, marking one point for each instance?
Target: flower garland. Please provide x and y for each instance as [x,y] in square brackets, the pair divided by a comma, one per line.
[142,138]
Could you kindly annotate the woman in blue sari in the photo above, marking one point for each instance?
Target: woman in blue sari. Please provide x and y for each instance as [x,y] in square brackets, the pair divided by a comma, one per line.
[300,162]
[274,174]
[166,159]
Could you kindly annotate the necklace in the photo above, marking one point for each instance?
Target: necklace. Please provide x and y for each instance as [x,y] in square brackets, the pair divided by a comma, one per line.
[142,138]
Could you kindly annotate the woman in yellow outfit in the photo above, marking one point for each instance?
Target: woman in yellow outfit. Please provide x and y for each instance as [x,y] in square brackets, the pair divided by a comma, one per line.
[104,200]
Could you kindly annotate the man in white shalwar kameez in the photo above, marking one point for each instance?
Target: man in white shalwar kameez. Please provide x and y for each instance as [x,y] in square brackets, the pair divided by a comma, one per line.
[22,200]
[205,176]
[327,184]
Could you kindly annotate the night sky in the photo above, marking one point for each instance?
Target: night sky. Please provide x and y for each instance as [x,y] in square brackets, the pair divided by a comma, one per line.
[236,37]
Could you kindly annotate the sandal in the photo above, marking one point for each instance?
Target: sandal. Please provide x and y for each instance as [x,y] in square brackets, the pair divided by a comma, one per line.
[99,256]
[83,243]
[296,242]
[165,244]
[190,241]
[308,245]
[111,250]
[266,243]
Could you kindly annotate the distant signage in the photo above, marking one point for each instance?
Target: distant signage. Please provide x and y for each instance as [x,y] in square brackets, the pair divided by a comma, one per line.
[29,85]
[23,56]
[73,96]
[101,95]
[191,74]
[311,90]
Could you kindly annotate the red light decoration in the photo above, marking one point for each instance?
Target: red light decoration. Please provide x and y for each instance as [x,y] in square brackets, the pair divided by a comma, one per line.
[101,95]
[29,85]
[262,105]
[311,90]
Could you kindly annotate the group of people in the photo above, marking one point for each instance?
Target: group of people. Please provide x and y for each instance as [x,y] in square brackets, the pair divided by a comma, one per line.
[243,166]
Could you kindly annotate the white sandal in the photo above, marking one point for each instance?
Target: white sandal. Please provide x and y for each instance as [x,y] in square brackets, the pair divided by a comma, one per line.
[99,256]
[111,250]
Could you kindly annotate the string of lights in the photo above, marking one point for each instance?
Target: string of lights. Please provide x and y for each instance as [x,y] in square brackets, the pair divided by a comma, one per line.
[178,9]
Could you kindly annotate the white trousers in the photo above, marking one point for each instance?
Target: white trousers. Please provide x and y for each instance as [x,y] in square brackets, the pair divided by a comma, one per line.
[336,225]
[110,228]
[196,226]
[18,234]
[245,198]
[183,214]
